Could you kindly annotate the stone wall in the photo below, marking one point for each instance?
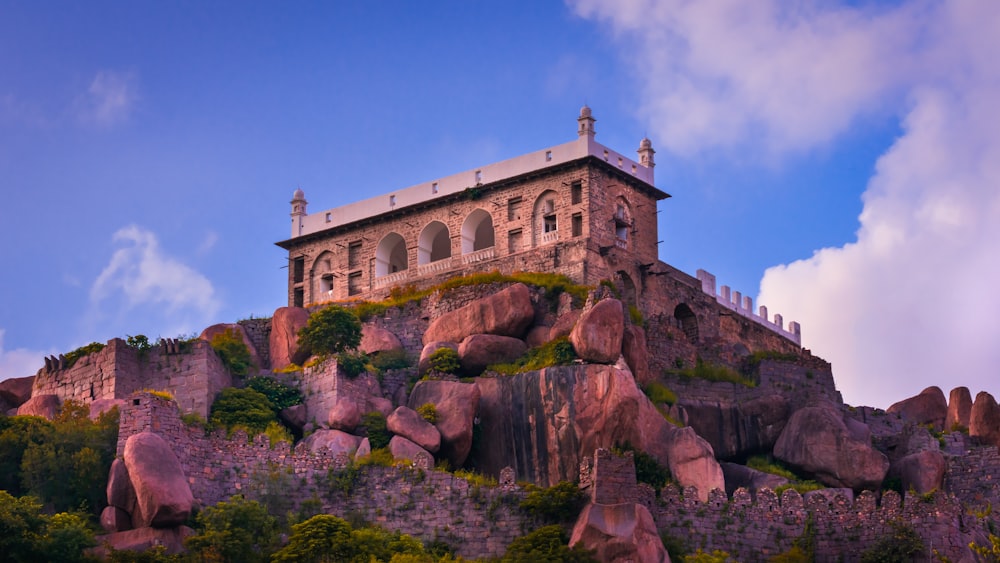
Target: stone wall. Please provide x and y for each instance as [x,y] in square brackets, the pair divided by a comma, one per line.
[973,477]
[479,521]
[259,332]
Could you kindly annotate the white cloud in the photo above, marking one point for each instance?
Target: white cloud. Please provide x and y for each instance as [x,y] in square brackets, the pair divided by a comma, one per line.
[19,362]
[109,99]
[912,302]
[141,274]
[207,243]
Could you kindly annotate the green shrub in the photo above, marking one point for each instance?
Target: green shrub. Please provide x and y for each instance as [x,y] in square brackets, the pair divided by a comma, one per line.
[549,544]
[557,504]
[712,372]
[474,478]
[444,360]
[716,556]
[676,547]
[72,357]
[280,395]
[802,487]
[244,408]
[659,393]
[374,426]
[233,352]
[352,364]
[331,330]
[901,544]
[647,469]
[276,432]
[237,530]
[138,342]
[391,359]
[767,465]
[29,534]
[635,315]
[558,352]
[428,412]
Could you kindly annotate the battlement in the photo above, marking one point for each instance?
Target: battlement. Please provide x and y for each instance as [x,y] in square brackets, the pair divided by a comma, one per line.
[743,305]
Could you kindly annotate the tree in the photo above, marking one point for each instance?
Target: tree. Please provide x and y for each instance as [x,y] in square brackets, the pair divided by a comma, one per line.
[244,408]
[332,330]
[233,352]
[239,530]
[321,539]
[27,534]
[546,544]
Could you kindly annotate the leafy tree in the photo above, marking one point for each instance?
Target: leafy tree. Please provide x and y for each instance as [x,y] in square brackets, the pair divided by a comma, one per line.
[546,544]
[242,408]
[236,531]
[66,538]
[559,503]
[16,434]
[332,330]
[352,363]
[27,534]
[321,539]
[281,396]
[376,429]
[233,352]
[444,360]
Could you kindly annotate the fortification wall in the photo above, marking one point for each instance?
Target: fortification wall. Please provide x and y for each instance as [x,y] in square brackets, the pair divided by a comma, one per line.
[259,332]
[973,477]
[479,521]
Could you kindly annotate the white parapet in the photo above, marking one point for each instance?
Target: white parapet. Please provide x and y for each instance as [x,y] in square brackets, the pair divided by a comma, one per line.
[743,305]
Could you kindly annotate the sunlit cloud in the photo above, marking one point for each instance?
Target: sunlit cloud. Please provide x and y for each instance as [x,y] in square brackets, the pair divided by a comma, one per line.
[109,99]
[19,362]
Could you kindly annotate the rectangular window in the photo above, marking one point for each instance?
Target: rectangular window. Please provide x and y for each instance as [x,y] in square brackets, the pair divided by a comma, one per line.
[392,201]
[514,209]
[354,255]
[577,224]
[329,217]
[514,241]
[548,156]
[576,192]
[479,176]
[434,188]
[298,269]
[354,283]
[549,223]
[298,299]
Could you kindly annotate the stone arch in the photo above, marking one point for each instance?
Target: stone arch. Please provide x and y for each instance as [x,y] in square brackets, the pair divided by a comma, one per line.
[434,243]
[322,276]
[624,222]
[687,320]
[477,231]
[628,289]
[390,255]
[544,223]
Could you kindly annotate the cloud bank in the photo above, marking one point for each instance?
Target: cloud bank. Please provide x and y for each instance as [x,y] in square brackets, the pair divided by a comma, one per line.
[19,362]
[912,301]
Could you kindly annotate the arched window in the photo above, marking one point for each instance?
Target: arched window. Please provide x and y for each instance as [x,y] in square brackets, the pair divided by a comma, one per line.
[434,243]
[687,320]
[627,287]
[477,231]
[545,225]
[390,255]
[322,277]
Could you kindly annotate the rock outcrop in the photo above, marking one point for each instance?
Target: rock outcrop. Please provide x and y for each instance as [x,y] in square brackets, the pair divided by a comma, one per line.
[929,407]
[750,479]
[456,405]
[163,496]
[407,423]
[14,392]
[334,440]
[597,336]
[478,351]
[619,532]
[984,419]
[401,448]
[346,414]
[922,471]
[376,339]
[738,429]
[237,328]
[506,313]
[143,539]
[636,354]
[959,408]
[284,340]
[46,406]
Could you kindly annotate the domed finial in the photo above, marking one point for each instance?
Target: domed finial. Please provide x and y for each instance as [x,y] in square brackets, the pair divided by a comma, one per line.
[298,194]
[646,153]
[586,121]
[585,111]
[645,143]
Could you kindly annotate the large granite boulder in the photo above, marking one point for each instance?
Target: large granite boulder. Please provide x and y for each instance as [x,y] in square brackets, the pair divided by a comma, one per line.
[738,428]
[424,364]
[163,496]
[375,339]
[346,413]
[284,340]
[295,417]
[143,539]
[120,493]
[738,476]
[217,329]
[922,471]
[619,532]
[401,448]
[959,408]
[597,336]
[481,350]
[46,406]
[101,406]
[407,423]
[929,407]
[333,440]
[114,519]
[564,324]
[636,354]
[15,391]
[456,405]
[984,419]
[819,441]
[537,336]
[506,313]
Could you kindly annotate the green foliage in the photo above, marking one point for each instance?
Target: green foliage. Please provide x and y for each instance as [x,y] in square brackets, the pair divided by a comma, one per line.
[374,426]
[767,465]
[67,536]
[428,412]
[647,469]
[635,315]
[557,504]
[676,547]
[280,395]
[380,457]
[659,393]
[165,395]
[902,543]
[444,360]
[712,372]
[989,553]
[290,368]
[558,352]
[233,352]
[752,362]
[331,330]
[239,530]
[391,359]
[717,556]
[17,433]
[276,432]
[476,479]
[155,554]
[138,342]
[547,544]
[328,539]
[29,535]
[802,487]
[72,357]
[244,408]
[794,555]
[352,364]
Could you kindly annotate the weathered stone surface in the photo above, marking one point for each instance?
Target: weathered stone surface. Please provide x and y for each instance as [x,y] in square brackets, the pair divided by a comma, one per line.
[381,405]
[929,407]
[15,391]
[114,519]
[564,324]
[364,448]
[141,539]
[295,416]
[597,336]
[119,489]
[480,350]
[101,406]
[456,405]
[284,340]
[619,532]
[376,339]
[544,423]
[537,336]
[736,429]
[984,419]
[737,476]
[818,441]
[346,413]
[830,494]
[333,440]
[401,448]
[922,471]
[46,406]
[425,355]
[216,329]
[407,423]
[636,355]
[506,313]
[163,496]
[959,408]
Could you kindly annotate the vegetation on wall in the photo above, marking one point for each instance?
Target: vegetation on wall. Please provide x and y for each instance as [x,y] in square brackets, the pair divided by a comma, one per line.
[559,504]
[647,469]
[233,352]
[548,543]
[374,426]
[901,544]
[86,350]
[444,360]
[244,409]
[280,395]
[331,330]
[713,372]
[558,352]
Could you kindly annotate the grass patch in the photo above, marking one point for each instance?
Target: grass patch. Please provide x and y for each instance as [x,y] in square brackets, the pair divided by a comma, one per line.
[165,395]
[659,393]
[802,487]
[712,372]
[753,361]
[558,352]
[765,464]
[72,357]
[477,479]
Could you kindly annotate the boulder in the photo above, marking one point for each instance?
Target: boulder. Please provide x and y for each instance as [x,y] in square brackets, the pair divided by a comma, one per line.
[376,339]
[381,405]
[635,352]
[114,519]
[333,440]
[220,328]
[119,490]
[456,405]
[738,428]
[163,496]
[817,441]
[959,408]
[284,341]
[401,448]
[922,471]
[597,336]
[346,414]
[46,406]
[481,350]
[143,539]
[738,476]
[506,313]
[619,532]
[407,423]
[101,406]
[16,391]
[564,324]
[295,417]
[425,354]
[364,448]
[537,336]
[692,461]
[929,407]
[984,419]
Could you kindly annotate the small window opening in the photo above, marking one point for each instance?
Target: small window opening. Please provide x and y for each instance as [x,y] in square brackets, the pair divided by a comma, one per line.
[514,241]
[513,209]
[354,283]
[576,192]
[434,188]
[620,162]
[577,224]
[298,270]
[548,156]
[479,176]
[329,217]
[326,283]
[392,200]
[605,155]
[549,222]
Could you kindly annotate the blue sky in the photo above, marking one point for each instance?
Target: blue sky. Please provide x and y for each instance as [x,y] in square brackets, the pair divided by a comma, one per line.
[841,153]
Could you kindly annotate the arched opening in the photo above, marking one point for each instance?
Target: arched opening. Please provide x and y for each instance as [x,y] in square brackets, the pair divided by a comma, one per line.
[477,232]
[627,287]
[687,320]
[623,223]
[434,243]
[545,225]
[390,255]
[322,277]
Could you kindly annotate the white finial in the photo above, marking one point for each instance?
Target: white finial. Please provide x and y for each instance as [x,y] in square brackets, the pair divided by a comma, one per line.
[586,121]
